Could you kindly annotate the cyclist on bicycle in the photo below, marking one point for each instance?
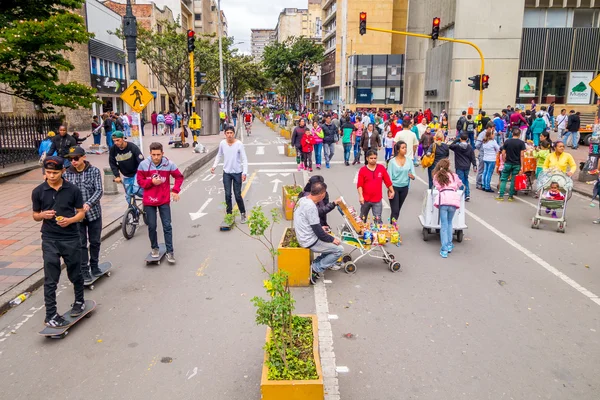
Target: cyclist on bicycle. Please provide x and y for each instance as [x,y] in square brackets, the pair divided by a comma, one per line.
[124,159]
[248,117]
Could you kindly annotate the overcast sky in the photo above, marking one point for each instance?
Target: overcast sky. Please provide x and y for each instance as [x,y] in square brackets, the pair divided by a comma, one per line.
[243,15]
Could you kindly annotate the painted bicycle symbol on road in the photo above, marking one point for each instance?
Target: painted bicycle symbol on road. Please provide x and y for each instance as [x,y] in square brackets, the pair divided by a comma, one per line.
[214,190]
[271,200]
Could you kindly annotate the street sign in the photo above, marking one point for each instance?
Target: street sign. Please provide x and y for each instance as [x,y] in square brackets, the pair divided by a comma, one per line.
[137,96]
[595,84]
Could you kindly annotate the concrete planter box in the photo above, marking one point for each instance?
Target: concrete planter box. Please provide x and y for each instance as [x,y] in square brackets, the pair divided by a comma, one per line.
[295,261]
[294,390]
[287,204]
[286,134]
[290,151]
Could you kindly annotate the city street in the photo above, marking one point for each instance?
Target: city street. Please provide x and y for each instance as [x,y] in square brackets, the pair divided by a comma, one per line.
[513,313]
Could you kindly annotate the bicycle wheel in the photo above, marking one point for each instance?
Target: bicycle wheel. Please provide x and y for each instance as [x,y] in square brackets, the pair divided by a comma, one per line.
[129,224]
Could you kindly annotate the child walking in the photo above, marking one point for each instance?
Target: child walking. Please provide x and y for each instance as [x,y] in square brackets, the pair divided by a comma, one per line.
[541,155]
[389,145]
[308,142]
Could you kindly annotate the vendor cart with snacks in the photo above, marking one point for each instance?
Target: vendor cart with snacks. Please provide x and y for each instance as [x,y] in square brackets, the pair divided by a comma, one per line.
[430,217]
[367,238]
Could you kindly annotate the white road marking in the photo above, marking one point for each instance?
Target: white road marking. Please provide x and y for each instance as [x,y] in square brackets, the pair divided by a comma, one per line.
[280,150]
[194,372]
[333,316]
[200,213]
[260,150]
[270,175]
[534,257]
[188,186]
[327,281]
[342,369]
[386,205]
[286,174]
[330,371]
[355,181]
[209,177]
[275,183]
[277,171]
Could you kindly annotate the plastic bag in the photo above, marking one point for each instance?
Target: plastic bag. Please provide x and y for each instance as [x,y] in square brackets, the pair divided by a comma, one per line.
[521,182]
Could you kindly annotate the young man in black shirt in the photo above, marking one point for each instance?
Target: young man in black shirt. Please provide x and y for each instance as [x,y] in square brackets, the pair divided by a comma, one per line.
[513,151]
[124,158]
[59,204]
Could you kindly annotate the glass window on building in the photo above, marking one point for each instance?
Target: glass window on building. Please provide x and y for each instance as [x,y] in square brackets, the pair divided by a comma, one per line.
[534,18]
[557,18]
[379,71]
[378,95]
[106,68]
[94,65]
[101,68]
[555,87]
[528,89]
[111,71]
[393,95]
[583,18]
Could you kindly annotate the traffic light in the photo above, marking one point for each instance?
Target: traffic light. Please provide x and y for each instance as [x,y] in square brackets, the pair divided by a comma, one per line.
[435,28]
[485,79]
[199,78]
[191,38]
[475,82]
[363,23]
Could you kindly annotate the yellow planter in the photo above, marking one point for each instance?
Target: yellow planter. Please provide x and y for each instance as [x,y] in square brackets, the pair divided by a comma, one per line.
[289,150]
[287,204]
[295,390]
[296,262]
[286,134]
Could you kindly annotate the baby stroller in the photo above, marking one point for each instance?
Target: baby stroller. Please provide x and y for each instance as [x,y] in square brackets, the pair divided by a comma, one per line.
[545,205]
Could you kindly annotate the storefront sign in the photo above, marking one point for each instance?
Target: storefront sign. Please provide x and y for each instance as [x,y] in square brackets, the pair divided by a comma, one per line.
[580,91]
[363,96]
[104,84]
[527,86]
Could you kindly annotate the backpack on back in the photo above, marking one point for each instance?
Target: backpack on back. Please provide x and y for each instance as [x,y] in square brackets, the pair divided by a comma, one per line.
[168,119]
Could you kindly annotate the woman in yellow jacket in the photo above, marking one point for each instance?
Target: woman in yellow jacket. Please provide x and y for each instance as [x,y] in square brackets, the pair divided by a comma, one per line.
[560,160]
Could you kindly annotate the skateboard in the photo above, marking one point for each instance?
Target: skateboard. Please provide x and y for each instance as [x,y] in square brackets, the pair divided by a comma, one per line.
[60,333]
[105,268]
[162,250]
[225,226]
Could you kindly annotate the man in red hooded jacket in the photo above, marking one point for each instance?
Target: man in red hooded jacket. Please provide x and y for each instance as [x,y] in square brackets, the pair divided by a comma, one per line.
[154,175]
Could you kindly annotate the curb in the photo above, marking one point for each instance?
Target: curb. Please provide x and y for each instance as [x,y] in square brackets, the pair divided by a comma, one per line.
[36,280]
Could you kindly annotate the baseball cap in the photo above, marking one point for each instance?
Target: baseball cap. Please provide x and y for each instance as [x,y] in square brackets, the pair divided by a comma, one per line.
[51,134]
[75,151]
[54,163]
[118,134]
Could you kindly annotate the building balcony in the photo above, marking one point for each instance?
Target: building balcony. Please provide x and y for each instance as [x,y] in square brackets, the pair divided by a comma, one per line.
[329,34]
[328,4]
[329,18]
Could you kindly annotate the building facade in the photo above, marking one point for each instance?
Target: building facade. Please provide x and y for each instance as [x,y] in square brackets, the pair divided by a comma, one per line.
[541,50]
[291,22]
[260,39]
[338,94]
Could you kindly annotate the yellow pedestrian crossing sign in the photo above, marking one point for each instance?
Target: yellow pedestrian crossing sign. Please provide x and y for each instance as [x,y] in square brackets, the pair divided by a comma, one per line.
[137,96]
[595,84]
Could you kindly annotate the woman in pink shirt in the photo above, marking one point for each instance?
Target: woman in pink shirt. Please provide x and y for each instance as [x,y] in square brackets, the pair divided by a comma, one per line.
[447,201]
[356,141]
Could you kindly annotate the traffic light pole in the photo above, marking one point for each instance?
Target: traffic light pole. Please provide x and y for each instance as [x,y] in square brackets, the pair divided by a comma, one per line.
[420,35]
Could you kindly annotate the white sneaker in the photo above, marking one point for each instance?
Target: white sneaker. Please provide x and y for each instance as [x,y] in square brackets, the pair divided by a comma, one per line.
[335,267]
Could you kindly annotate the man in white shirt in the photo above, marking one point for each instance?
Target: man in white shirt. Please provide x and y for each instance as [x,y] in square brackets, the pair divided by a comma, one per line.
[408,137]
[561,123]
[366,120]
[235,170]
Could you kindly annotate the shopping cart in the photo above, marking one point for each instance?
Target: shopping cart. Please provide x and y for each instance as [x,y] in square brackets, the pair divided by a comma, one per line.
[367,242]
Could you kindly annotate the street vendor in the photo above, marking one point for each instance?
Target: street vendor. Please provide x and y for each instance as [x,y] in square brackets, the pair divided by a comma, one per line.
[324,206]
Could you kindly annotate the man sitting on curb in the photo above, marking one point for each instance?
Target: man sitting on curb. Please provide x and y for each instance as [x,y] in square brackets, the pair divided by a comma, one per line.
[310,233]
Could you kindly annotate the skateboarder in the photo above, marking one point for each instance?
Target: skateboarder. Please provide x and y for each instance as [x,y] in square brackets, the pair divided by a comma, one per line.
[154,176]
[59,204]
[235,170]
[89,181]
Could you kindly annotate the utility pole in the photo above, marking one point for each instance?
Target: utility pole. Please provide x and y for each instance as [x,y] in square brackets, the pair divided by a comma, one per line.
[343,57]
[130,33]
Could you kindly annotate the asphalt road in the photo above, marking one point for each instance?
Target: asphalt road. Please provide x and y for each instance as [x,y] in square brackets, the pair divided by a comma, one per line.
[513,312]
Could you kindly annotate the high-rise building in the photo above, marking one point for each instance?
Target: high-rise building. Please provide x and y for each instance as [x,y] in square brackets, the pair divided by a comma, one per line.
[260,39]
[534,50]
[291,22]
[372,64]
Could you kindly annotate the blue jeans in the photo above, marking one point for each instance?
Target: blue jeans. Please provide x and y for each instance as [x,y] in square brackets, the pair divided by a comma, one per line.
[430,176]
[318,151]
[236,180]
[446,217]
[329,150]
[165,217]
[330,253]
[488,170]
[109,141]
[347,150]
[97,138]
[463,174]
[575,134]
[552,121]
[357,149]
[472,139]
[388,153]
[131,187]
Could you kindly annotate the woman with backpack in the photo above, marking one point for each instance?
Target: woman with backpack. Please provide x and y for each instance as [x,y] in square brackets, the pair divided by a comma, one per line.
[170,122]
[437,152]
[447,202]
[160,120]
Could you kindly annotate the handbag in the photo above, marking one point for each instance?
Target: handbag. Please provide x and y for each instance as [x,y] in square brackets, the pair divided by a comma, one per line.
[428,159]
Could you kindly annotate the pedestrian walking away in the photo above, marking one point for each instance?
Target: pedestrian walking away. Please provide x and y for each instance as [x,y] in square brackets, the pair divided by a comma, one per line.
[310,233]
[464,157]
[401,171]
[296,141]
[490,149]
[235,170]
[573,125]
[370,179]
[330,138]
[89,181]
[318,134]
[308,142]
[480,164]
[441,151]
[154,176]
[59,204]
[447,184]
[348,129]
[124,159]
[513,152]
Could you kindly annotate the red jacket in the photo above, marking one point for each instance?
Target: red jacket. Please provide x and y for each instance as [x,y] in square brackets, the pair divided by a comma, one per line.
[371,181]
[308,142]
[395,127]
[157,195]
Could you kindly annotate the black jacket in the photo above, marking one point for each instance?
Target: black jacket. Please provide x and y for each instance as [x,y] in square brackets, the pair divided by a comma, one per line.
[573,123]
[464,155]
[297,136]
[329,132]
[62,144]
[441,151]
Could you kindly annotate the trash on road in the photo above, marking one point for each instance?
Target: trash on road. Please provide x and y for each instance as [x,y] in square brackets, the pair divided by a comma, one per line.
[19,299]
[501,282]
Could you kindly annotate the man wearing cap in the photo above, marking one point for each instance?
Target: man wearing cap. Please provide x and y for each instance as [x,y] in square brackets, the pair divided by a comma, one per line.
[573,125]
[124,159]
[89,181]
[62,143]
[59,204]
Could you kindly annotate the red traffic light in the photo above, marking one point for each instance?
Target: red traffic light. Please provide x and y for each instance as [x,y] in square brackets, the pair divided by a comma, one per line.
[436,21]
[191,33]
[363,16]
[485,78]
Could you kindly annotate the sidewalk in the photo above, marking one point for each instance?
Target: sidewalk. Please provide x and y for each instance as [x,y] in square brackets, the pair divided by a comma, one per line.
[581,155]
[20,242]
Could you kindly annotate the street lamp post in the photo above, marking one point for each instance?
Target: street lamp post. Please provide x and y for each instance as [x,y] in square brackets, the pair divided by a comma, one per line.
[130,33]
[222,83]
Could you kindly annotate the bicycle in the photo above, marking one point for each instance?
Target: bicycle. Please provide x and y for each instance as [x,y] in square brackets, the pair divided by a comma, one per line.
[248,127]
[131,218]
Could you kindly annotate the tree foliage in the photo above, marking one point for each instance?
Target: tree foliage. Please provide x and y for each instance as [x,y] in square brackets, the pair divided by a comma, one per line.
[35,37]
[284,63]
